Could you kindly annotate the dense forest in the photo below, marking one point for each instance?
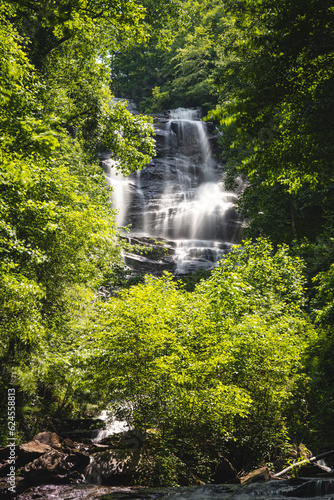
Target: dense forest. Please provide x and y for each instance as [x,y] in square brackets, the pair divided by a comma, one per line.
[235,363]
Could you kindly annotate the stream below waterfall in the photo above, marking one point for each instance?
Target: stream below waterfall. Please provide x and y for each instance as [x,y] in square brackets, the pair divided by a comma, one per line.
[180,196]
[318,489]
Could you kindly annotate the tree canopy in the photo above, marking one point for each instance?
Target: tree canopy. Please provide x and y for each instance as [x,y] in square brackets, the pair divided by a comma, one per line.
[278,59]
[57,230]
[242,355]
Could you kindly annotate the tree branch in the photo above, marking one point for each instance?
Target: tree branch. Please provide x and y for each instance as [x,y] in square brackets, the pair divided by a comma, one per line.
[308,460]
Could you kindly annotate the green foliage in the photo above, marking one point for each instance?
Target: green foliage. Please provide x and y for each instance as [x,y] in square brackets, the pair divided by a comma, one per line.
[320,361]
[58,240]
[181,69]
[129,138]
[155,104]
[137,70]
[276,277]
[23,126]
[221,362]
[324,301]
[190,281]
[77,93]
[283,216]
[159,465]
[57,233]
[224,364]
[112,24]
[275,75]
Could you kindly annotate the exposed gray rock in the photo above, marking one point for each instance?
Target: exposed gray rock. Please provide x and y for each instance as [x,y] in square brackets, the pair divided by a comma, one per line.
[140,264]
[150,255]
[113,467]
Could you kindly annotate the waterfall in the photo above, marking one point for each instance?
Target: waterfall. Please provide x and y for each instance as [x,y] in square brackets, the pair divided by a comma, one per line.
[112,426]
[180,196]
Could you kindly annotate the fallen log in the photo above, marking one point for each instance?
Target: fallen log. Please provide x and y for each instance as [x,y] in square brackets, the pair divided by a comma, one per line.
[307,460]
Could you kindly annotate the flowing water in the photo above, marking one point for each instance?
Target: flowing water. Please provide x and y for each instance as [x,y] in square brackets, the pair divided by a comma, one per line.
[274,490]
[180,196]
[112,426]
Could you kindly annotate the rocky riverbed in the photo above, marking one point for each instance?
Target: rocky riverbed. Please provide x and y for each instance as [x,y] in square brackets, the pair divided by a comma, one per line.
[50,467]
[274,490]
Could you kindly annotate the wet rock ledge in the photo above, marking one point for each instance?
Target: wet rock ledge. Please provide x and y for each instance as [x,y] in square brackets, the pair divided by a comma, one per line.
[148,255]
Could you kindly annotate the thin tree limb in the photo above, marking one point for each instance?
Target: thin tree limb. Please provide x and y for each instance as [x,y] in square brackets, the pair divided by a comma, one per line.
[308,460]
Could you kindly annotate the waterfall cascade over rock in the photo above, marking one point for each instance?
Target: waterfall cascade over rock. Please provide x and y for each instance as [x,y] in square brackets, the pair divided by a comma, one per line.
[180,196]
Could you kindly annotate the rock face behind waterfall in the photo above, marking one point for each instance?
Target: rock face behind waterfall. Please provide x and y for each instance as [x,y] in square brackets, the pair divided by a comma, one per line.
[180,196]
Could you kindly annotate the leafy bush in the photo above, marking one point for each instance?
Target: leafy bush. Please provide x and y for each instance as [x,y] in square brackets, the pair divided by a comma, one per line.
[221,362]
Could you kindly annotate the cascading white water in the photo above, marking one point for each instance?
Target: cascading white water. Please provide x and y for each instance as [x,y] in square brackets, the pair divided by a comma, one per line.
[112,426]
[180,195]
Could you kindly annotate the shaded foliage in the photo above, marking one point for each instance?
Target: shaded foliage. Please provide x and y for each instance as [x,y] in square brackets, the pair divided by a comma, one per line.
[181,69]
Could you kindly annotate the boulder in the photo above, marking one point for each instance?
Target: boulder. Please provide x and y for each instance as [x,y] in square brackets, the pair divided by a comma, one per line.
[78,461]
[49,438]
[261,475]
[55,467]
[68,443]
[132,440]
[49,468]
[24,454]
[30,451]
[113,467]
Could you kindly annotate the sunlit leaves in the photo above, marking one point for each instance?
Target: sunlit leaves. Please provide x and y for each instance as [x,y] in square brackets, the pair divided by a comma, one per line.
[20,319]
[58,240]
[22,126]
[324,301]
[192,363]
[128,137]
[182,68]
